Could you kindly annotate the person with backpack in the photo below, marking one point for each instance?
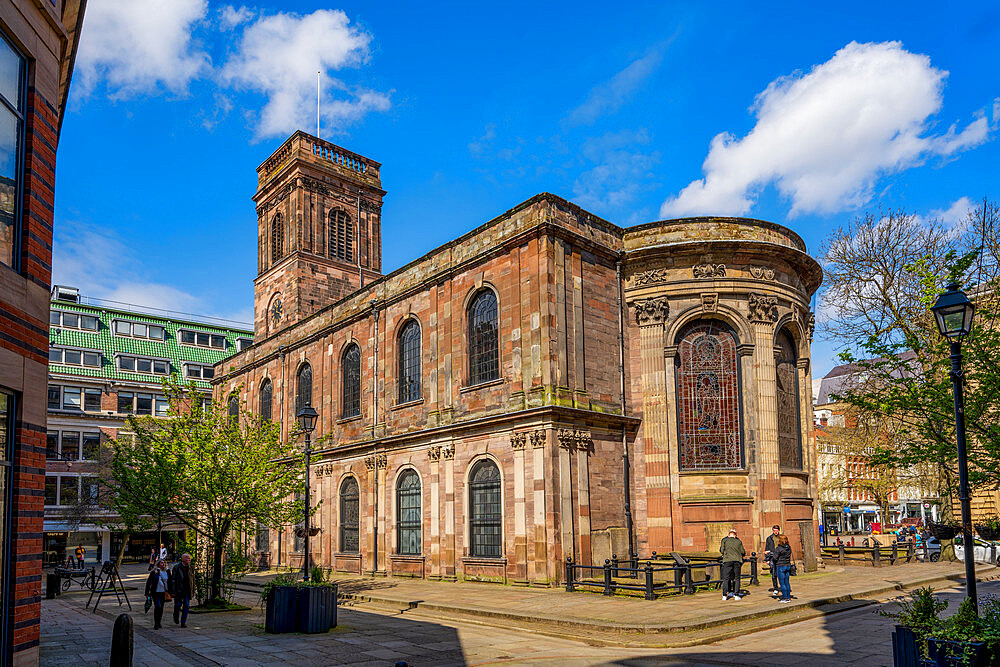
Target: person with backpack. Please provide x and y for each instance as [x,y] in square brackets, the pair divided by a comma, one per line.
[732,562]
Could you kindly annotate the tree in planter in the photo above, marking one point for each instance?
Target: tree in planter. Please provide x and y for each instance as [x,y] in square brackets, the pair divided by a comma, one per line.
[883,273]
[230,470]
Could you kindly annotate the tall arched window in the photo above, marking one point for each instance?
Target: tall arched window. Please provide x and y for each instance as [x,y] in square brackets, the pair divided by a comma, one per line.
[484,510]
[786,376]
[234,409]
[409,362]
[708,398]
[303,388]
[409,518]
[351,370]
[341,237]
[277,238]
[265,400]
[349,513]
[483,339]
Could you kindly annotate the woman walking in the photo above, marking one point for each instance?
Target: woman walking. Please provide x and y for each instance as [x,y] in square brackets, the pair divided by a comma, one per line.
[782,560]
[157,586]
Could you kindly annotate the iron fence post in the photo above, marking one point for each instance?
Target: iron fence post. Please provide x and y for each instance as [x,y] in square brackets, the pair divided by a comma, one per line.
[614,566]
[569,575]
[649,581]
[841,554]
[754,581]
[895,552]
[876,555]
[608,586]
[688,580]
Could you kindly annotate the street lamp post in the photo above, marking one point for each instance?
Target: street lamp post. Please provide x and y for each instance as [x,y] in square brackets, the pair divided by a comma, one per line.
[953,312]
[307,422]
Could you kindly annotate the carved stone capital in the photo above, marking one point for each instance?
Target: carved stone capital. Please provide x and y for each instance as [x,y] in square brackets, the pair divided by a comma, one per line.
[763,308]
[448,453]
[376,462]
[567,438]
[537,438]
[762,272]
[709,270]
[434,453]
[584,441]
[370,462]
[518,440]
[649,312]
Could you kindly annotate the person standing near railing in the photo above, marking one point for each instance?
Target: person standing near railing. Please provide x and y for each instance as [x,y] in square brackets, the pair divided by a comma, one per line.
[732,562]
[783,561]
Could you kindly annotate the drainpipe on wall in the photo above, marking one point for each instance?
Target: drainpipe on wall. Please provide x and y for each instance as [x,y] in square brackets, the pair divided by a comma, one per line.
[626,466]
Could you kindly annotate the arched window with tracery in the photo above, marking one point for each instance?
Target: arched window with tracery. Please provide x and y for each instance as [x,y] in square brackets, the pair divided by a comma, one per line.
[708,398]
[786,376]
[484,510]
[265,400]
[277,238]
[351,373]
[484,357]
[409,362]
[303,388]
[349,515]
[408,518]
[234,409]
[341,237]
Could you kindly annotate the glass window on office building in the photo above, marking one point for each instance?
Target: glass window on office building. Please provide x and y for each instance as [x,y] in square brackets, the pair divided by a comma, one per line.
[11,148]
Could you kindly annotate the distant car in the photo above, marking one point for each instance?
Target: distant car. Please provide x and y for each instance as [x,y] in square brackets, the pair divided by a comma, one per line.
[931,550]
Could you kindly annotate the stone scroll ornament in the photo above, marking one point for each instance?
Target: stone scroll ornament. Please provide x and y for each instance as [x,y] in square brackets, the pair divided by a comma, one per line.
[709,270]
[652,311]
[762,272]
[763,308]
[518,440]
[650,277]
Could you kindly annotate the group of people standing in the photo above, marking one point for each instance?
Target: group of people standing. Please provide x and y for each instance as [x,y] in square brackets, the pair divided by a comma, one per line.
[176,583]
[777,554]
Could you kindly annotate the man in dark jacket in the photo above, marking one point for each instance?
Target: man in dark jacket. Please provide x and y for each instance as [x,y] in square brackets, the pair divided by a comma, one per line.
[769,557]
[182,582]
[732,562]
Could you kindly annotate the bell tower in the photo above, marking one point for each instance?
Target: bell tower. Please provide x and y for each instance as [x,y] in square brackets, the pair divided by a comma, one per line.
[319,212]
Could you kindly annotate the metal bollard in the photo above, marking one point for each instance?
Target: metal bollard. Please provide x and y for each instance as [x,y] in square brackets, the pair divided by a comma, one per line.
[688,580]
[895,552]
[122,642]
[608,585]
[569,575]
[876,556]
[614,566]
[754,581]
[841,550]
[649,581]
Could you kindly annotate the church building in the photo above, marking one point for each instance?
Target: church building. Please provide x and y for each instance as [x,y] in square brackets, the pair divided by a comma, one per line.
[547,386]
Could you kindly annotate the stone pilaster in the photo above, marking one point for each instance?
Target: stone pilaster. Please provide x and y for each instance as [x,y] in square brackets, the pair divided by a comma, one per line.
[566,513]
[541,568]
[434,456]
[763,316]
[650,315]
[450,553]
[518,441]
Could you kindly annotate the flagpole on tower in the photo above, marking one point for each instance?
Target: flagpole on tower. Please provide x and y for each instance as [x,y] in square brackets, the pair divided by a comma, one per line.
[317,104]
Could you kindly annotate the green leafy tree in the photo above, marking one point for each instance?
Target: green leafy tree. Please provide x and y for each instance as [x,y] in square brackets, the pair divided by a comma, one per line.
[215,471]
[883,274]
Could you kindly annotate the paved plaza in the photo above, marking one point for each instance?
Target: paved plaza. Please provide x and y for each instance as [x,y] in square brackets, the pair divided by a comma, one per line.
[372,633]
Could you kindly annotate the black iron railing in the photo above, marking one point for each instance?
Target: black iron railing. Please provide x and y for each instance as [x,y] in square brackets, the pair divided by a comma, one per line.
[653,576]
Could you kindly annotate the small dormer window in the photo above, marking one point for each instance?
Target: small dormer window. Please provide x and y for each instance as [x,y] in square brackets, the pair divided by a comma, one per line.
[138,329]
[201,339]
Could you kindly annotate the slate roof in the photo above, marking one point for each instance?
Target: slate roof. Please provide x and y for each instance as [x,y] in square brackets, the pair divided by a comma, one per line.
[110,344]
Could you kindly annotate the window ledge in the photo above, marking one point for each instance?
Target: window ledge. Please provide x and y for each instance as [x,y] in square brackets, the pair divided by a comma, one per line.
[484,560]
[715,471]
[408,557]
[482,385]
[347,554]
[408,404]
[344,420]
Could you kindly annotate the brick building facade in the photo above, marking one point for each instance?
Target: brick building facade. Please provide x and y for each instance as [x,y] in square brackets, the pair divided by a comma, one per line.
[547,386]
[37,48]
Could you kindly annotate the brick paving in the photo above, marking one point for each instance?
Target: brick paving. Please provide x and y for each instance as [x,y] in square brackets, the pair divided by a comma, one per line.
[375,635]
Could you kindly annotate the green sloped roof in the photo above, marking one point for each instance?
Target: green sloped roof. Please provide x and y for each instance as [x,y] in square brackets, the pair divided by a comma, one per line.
[109,344]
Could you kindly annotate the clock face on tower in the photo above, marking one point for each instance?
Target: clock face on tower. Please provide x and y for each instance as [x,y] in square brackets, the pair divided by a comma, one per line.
[276,311]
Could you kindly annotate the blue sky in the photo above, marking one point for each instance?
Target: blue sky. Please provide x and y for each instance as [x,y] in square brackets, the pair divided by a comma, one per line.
[636,111]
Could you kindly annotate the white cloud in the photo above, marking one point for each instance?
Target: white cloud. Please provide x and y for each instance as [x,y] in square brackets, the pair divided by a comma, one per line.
[279,57]
[94,259]
[825,137]
[956,214]
[137,47]
[230,17]
[609,96]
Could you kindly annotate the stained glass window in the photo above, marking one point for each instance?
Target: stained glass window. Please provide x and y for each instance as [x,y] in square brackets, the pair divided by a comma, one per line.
[304,388]
[786,377]
[483,340]
[409,362]
[277,238]
[349,506]
[409,520]
[341,239]
[484,504]
[234,409]
[351,369]
[708,400]
[265,400]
